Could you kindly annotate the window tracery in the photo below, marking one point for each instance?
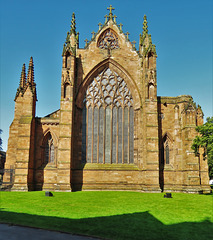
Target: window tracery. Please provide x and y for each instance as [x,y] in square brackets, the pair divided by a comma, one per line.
[166,150]
[49,150]
[108,120]
[108,40]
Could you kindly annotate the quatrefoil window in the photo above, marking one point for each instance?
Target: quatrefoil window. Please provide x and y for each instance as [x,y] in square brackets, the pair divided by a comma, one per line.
[108,40]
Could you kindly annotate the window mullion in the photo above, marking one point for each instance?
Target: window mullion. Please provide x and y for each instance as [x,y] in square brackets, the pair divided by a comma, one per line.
[98,122]
[122,135]
[104,135]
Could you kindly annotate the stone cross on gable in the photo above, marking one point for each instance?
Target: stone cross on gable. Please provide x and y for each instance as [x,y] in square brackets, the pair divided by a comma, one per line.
[106,18]
[93,34]
[127,35]
[120,25]
[110,8]
[115,18]
[133,43]
[100,25]
[86,41]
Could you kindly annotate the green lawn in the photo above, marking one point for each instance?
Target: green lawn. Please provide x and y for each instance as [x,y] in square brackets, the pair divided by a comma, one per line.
[113,215]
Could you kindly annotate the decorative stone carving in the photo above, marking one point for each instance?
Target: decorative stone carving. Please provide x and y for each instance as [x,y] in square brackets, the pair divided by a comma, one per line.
[108,40]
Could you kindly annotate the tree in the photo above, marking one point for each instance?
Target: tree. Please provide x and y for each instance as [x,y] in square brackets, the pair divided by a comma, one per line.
[205,140]
[0,140]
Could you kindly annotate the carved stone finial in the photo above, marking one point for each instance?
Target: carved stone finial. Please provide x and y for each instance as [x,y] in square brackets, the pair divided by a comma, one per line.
[77,37]
[23,77]
[99,25]
[22,82]
[68,38]
[30,75]
[64,49]
[110,8]
[154,49]
[73,27]
[145,26]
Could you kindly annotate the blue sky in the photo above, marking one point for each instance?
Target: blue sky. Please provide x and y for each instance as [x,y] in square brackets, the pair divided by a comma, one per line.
[181,30]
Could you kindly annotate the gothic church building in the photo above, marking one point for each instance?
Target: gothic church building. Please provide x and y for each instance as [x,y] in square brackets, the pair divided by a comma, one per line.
[112,131]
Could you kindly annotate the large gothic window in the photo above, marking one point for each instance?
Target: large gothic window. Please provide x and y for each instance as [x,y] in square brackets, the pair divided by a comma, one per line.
[108,120]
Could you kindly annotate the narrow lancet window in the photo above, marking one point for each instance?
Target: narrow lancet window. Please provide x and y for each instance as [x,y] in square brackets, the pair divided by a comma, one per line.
[67,90]
[167,153]
[49,150]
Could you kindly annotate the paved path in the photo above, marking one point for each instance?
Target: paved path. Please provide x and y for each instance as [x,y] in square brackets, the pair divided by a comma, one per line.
[12,232]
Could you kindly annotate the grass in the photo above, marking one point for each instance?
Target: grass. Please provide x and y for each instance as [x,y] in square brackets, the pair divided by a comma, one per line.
[113,215]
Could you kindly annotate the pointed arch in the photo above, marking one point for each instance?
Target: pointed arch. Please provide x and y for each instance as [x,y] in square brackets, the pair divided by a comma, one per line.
[49,131]
[68,60]
[49,147]
[151,91]
[67,90]
[167,149]
[150,60]
[112,64]
[108,120]
[167,135]
[108,39]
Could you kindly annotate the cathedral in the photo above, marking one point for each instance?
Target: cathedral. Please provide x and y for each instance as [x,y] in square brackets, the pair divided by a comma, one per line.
[112,131]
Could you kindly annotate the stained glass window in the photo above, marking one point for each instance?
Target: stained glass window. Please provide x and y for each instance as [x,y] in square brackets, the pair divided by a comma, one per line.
[167,153]
[49,150]
[108,120]
[166,150]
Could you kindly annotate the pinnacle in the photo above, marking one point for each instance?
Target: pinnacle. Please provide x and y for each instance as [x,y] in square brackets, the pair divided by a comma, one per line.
[30,79]
[73,25]
[30,75]
[145,26]
[23,77]
[31,62]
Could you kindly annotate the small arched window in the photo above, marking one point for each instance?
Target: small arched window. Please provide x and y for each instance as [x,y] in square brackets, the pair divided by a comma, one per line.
[67,90]
[49,150]
[151,91]
[166,153]
[150,61]
[68,61]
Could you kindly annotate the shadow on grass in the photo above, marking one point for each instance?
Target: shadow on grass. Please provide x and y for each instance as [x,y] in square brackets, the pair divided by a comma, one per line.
[128,226]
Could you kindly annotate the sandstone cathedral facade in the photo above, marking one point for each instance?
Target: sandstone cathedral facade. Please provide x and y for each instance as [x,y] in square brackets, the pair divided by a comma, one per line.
[112,131]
